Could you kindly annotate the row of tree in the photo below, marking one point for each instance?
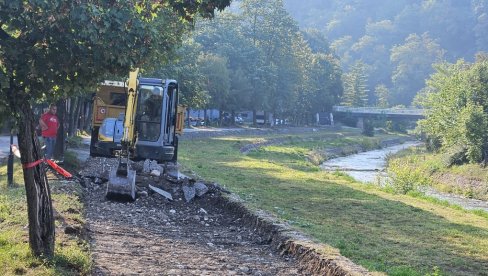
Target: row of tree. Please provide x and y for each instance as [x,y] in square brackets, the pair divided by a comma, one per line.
[254,57]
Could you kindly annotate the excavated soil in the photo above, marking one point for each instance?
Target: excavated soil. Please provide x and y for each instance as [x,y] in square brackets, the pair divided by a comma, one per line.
[193,233]
[211,233]
[157,236]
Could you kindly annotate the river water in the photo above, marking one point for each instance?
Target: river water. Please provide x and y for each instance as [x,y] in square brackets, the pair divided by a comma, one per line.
[369,166]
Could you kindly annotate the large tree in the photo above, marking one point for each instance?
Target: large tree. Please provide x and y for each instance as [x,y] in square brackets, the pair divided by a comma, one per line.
[456,100]
[48,49]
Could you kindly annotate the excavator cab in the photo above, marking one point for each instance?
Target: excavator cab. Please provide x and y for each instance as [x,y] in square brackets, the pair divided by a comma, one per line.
[149,130]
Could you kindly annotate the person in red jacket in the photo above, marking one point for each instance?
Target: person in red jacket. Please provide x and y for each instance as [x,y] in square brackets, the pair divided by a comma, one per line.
[49,125]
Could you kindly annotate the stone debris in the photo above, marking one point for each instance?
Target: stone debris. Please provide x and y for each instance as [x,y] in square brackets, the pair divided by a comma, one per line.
[161,192]
[188,192]
[152,165]
[200,189]
[155,173]
[203,211]
[151,178]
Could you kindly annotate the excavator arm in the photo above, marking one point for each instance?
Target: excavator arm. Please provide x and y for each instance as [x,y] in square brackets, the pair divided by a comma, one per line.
[129,136]
[122,180]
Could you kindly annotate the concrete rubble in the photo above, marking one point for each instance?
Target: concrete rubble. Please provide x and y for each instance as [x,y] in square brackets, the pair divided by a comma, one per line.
[152,179]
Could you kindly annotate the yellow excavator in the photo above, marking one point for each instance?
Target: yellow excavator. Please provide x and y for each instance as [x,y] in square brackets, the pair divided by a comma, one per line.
[147,129]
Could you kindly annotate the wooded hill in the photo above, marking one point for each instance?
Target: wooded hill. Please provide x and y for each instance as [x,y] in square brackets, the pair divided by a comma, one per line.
[397,41]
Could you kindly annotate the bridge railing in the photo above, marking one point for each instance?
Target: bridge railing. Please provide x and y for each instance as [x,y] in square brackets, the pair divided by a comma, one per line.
[375,110]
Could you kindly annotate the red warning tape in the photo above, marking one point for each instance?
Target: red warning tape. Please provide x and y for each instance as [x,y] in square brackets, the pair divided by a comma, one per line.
[53,165]
[33,164]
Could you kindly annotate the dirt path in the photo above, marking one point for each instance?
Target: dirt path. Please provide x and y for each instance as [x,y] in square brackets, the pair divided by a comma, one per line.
[155,236]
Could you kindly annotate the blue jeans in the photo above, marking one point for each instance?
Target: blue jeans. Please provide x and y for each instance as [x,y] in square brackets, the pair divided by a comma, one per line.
[50,143]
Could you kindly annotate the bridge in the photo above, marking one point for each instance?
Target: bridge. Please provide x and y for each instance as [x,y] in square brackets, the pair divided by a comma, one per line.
[398,113]
[411,114]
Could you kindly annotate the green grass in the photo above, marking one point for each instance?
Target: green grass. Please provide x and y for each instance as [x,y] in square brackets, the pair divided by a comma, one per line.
[396,234]
[71,252]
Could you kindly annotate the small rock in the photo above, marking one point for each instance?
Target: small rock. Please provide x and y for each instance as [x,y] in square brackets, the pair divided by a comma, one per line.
[70,230]
[172,211]
[142,193]
[244,269]
[155,173]
[86,182]
[200,189]
[188,192]
[202,211]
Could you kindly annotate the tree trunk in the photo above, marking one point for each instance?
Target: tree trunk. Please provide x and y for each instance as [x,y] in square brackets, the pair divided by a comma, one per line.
[60,138]
[205,117]
[188,117]
[88,115]
[82,124]
[39,205]
[72,115]
[77,115]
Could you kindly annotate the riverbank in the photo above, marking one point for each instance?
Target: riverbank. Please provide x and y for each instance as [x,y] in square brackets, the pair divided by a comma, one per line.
[467,180]
[378,230]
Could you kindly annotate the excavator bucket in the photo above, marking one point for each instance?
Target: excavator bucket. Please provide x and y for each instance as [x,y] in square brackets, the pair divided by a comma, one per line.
[121,184]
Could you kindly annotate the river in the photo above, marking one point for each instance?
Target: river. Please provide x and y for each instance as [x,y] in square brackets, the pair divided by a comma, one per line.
[369,166]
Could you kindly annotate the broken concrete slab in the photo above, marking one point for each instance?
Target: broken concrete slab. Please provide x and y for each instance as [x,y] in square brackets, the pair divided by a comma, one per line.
[200,189]
[161,192]
[155,173]
[189,192]
[151,165]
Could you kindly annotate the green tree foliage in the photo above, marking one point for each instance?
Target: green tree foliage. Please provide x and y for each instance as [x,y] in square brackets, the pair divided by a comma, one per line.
[382,95]
[413,62]
[49,49]
[456,99]
[355,89]
[184,69]
[216,79]
[272,66]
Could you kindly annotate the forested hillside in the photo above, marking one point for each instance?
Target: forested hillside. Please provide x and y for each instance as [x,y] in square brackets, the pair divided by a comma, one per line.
[396,42]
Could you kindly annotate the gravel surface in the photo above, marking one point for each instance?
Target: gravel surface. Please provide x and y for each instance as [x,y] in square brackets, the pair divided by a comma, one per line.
[157,236]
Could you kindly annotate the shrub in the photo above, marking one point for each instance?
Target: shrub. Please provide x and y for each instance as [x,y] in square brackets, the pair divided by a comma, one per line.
[404,178]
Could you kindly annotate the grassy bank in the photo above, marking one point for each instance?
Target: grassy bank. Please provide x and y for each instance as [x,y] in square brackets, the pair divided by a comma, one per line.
[469,180]
[71,251]
[396,234]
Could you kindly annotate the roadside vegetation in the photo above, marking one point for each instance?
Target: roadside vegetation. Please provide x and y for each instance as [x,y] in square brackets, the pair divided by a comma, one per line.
[71,256]
[382,231]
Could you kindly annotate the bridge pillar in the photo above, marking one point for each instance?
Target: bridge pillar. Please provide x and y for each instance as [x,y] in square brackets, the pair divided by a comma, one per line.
[360,123]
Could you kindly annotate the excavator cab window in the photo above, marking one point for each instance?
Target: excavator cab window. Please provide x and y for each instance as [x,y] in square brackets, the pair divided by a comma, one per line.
[148,117]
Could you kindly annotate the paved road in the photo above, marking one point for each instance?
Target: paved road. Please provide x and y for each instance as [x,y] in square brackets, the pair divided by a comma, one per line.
[5,145]
[5,140]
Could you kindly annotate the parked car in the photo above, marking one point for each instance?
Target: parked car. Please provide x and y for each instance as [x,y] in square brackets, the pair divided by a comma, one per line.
[238,120]
[197,122]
